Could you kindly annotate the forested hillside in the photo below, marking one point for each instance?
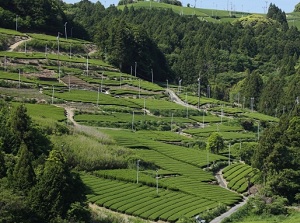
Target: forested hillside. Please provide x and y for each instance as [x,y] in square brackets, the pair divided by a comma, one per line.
[100,85]
[222,54]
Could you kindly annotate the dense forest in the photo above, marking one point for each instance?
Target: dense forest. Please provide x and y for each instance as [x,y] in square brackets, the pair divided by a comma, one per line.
[37,184]
[261,50]
[255,57]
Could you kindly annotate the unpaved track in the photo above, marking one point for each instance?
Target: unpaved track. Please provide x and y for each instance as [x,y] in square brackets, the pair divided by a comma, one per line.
[230,212]
[15,45]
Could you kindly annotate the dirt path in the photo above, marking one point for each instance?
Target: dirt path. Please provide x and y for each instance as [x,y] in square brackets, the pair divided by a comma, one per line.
[222,182]
[177,100]
[230,212]
[15,45]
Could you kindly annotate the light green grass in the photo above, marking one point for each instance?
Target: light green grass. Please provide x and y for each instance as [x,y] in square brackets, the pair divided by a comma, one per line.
[11,32]
[54,38]
[66,58]
[261,117]
[90,97]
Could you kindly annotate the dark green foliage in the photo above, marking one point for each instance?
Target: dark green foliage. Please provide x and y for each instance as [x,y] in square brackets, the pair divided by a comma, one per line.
[14,208]
[20,122]
[297,8]
[2,165]
[215,143]
[23,178]
[252,88]
[278,157]
[277,14]
[261,206]
[271,96]
[56,189]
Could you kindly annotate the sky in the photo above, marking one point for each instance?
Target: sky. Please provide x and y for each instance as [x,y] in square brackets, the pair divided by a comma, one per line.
[258,6]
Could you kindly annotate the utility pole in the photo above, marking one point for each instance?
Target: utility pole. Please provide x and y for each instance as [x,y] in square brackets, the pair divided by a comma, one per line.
[144,106]
[19,78]
[5,63]
[179,86]
[171,121]
[252,103]
[152,71]
[87,64]
[58,62]
[52,93]
[167,84]
[16,22]
[46,51]
[98,96]
[69,82]
[199,84]
[139,88]
[70,56]
[203,119]
[222,114]
[258,131]
[187,107]
[132,122]
[66,30]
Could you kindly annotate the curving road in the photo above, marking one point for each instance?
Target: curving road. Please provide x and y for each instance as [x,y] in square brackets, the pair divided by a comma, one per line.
[15,45]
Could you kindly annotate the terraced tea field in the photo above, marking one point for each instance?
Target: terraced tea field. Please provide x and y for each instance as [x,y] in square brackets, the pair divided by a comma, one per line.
[148,202]
[240,176]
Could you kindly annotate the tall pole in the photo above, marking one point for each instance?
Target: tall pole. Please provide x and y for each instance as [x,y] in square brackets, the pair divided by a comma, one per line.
[144,106]
[152,71]
[66,30]
[187,107]
[52,93]
[167,84]
[171,121]
[69,82]
[202,118]
[46,51]
[16,22]
[58,71]
[252,104]
[87,65]
[58,63]
[199,82]
[258,131]
[101,83]
[207,157]
[19,78]
[70,56]
[137,170]
[135,66]
[222,114]
[132,122]
[139,88]
[98,96]
[5,63]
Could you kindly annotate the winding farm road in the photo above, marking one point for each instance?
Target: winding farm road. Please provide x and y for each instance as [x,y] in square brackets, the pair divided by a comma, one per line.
[230,212]
[15,45]
[222,182]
